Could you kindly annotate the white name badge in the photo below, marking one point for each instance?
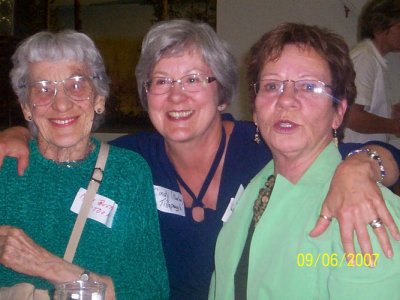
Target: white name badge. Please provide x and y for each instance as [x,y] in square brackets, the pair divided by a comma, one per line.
[103,209]
[232,204]
[169,201]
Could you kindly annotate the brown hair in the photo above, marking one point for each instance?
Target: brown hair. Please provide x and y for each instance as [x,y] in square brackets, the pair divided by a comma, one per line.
[378,16]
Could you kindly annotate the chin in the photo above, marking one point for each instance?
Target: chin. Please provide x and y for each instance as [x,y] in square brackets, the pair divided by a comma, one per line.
[71,142]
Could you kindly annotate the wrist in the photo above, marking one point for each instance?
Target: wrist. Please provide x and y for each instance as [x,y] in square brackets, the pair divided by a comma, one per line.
[374,156]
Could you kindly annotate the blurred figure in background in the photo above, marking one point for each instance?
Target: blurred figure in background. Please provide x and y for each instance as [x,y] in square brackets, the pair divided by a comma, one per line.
[371,115]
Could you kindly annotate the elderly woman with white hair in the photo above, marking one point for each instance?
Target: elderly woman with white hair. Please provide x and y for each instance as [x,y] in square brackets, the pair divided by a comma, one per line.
[61,85]
[201,158]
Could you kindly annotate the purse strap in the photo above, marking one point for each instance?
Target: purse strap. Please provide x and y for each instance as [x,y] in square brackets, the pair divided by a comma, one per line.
[95,181]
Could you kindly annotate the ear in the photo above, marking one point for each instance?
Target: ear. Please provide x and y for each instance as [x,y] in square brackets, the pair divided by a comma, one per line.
[26,110]
[340,112]
[99,103]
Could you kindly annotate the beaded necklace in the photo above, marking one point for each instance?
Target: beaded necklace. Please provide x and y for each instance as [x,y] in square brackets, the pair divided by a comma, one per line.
[243,266]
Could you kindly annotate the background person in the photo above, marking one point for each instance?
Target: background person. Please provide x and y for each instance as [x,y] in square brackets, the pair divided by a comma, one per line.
[371,115]
[200,157]
[303,82]
[62,87]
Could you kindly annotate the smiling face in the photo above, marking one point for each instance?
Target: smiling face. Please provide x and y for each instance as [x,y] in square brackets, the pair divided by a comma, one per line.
[64,123]
[292,127]
[178,115]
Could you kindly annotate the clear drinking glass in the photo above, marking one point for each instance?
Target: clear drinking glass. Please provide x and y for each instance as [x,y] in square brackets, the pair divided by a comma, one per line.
[80,290]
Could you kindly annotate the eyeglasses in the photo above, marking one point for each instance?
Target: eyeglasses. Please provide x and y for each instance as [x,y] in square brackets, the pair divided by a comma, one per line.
[188,83]
[78,88]
[304,89]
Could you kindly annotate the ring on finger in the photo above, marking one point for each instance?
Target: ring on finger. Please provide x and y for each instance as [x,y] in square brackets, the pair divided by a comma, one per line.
[376,223]
[325,217]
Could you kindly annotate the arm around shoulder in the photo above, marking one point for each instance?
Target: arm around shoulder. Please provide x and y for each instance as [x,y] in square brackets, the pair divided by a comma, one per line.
[14,143]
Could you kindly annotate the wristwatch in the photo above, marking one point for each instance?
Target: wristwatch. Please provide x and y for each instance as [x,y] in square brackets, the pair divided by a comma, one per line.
[85,275]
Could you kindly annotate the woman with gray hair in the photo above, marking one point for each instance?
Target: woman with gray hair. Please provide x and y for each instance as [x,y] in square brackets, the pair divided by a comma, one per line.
[62,87]
[201,158]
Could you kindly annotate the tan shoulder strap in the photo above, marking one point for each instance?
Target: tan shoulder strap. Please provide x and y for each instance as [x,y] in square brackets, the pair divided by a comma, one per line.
[94,184]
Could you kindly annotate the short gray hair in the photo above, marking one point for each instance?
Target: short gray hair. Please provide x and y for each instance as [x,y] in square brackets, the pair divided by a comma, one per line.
[64,45]
[176,36]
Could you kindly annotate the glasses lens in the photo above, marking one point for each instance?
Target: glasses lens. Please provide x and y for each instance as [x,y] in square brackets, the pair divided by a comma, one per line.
[309,89]
[41,93]
[159,85]
[78,88]
[269,87]
[193,82]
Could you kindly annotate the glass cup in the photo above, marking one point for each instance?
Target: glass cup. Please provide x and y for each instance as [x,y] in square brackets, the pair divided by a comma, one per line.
[80,290]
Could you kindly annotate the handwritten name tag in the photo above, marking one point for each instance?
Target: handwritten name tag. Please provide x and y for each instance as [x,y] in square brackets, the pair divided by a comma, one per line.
[232,204]
[103,209]
[169,201]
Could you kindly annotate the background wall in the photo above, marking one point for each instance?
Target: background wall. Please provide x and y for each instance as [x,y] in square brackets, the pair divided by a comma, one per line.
[242,22]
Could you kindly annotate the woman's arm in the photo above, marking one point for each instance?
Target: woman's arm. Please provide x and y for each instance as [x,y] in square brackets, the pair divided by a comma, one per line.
[14,143]
[354,198]
[21,254]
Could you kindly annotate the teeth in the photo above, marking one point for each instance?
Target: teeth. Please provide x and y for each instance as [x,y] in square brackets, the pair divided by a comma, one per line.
[286,125]
[62,122]
[180,114]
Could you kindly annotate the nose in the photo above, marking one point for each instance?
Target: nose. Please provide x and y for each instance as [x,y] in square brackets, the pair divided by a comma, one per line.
[61,101]
[287,97]
[177,91]
[177,83]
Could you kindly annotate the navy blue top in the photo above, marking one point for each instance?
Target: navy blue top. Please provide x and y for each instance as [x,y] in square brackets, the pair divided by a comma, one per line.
[189,245]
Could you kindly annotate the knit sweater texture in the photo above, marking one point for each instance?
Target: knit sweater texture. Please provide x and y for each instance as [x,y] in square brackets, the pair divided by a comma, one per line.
[39,203]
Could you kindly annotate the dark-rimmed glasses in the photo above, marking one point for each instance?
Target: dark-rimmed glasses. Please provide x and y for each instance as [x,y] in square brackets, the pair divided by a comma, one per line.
[304,89]
[189,83]
[77,88]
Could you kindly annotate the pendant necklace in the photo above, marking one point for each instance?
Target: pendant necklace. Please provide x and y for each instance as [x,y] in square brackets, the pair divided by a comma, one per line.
[197,205]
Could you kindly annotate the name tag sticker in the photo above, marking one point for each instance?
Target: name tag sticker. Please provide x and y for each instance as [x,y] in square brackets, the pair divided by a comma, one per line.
[232,204]
[169,201]
[103,209]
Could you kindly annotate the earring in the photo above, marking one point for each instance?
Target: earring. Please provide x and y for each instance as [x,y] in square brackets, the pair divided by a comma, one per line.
[29,118]
[257,137]
[335,138]
[99,111]
[221,107]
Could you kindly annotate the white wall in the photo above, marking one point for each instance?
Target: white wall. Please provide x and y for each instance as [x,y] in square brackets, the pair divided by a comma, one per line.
[242,22]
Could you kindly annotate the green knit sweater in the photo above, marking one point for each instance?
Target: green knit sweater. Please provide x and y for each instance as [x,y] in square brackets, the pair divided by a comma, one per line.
[130,251]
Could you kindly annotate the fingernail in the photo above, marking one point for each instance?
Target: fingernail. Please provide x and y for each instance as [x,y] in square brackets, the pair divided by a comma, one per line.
[390,253]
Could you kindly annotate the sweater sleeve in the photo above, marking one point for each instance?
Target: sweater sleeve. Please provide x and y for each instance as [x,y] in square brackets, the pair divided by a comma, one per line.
[145,269]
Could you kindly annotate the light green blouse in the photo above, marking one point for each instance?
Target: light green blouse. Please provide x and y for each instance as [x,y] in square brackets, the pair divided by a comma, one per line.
[284,262]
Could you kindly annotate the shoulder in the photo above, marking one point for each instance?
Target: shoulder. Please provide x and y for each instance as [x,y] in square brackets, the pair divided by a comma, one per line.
[140,142]
[126,158]
[242,139]
[241,127]
[364,57]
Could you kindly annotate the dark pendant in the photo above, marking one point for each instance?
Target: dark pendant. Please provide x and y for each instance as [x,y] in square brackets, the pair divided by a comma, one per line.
[198,213]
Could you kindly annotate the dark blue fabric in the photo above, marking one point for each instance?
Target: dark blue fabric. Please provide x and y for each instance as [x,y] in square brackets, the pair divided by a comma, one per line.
[188,245]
